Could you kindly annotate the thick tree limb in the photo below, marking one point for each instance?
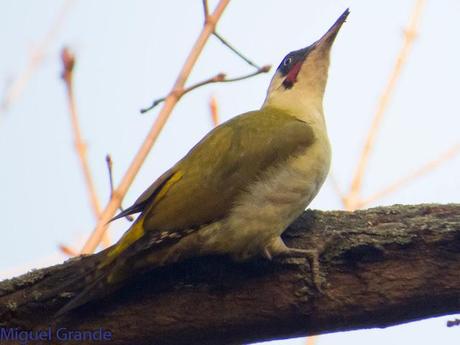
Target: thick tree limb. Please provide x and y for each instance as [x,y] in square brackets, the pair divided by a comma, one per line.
[381,267]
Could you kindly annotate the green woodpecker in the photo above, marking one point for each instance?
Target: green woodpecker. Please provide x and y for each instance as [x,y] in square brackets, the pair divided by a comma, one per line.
[240,187]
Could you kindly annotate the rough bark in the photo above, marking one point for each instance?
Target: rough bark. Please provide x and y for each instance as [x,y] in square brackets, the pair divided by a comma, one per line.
[380,267]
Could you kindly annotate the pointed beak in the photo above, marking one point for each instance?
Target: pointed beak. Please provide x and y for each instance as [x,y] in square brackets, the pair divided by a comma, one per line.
[317,54]
[329,37]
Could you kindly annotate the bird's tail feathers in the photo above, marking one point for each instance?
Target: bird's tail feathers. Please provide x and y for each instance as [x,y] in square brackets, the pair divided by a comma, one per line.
[94,288]
[88,283]
[120,262]
[99,281]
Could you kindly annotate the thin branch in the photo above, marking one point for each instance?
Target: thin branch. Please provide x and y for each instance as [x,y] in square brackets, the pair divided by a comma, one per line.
[224,41]
[108,160]
[263,69]
[206,10]
[423,170]
[218,78]
[214,109]
[452,323]
[162,117]
[180,92]
[68,61]
[69,251]
[410,34]
[233,49]
[335,185]
[312,340]
[35,59]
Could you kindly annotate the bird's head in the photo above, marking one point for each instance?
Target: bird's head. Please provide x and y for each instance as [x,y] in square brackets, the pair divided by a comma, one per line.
[300,79]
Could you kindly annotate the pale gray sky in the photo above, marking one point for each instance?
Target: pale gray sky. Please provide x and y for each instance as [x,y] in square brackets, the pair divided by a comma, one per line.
[129,53]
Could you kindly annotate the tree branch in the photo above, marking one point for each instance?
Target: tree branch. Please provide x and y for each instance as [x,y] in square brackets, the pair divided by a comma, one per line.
[233,49]
[35,58]
[214,110]
[218,78]
[163,115]
[401,182]
[108,160]
[68,62]
[381,267]
[353,197]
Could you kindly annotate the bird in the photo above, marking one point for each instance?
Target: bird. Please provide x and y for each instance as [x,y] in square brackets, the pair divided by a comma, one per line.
[238,189]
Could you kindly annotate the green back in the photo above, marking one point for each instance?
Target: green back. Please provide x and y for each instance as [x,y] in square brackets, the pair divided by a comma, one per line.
[222,165]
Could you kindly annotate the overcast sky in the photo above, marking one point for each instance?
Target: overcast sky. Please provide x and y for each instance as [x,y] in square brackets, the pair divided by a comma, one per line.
[129,53]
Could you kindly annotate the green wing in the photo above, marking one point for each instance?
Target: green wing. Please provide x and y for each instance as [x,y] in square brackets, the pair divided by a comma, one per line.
[202,187]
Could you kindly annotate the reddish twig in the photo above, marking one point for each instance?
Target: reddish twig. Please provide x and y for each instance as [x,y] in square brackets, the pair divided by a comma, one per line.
[68,60]
[205,9]
[311,340]
[213,107]
[423,170]
[35,59]
[352,199]
[218,78]
[168,106]
[67,250]
[336,187]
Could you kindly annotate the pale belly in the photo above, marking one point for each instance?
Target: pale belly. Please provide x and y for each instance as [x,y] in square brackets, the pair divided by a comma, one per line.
[263,212]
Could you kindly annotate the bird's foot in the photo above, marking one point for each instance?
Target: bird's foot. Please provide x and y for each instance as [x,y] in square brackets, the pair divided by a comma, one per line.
[293,255]
[288,255]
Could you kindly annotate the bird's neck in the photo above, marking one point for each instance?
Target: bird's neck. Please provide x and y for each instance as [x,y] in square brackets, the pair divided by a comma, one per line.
[307,109]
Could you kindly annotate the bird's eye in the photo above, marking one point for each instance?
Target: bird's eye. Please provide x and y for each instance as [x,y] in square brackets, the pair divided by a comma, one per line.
[287,61]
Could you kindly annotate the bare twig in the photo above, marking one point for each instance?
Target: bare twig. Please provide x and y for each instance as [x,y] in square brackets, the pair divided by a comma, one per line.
[162,117]
[311,340]
[180,92]
[218,78]
[67,250]
[109,162]
[452,323]
[233,49]
[423,170]
[352,199]
[206,10]
[225,42]
[213,107]
[68,60]
[35,59]
[263,69]
[336,187]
